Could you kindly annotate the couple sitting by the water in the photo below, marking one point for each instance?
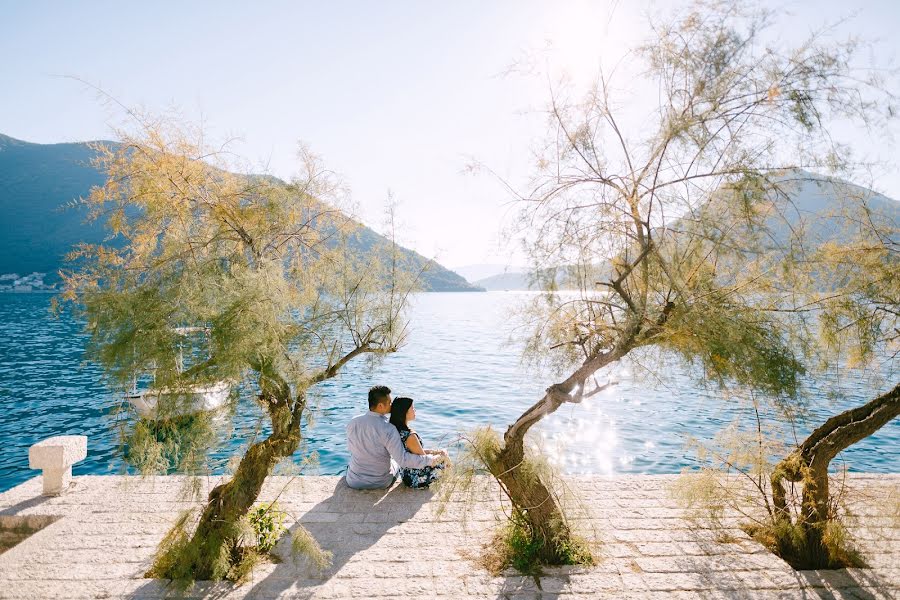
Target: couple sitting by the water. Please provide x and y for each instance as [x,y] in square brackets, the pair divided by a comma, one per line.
[383,434]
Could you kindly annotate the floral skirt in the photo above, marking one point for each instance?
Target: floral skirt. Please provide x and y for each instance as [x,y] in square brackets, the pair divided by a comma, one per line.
[421,478]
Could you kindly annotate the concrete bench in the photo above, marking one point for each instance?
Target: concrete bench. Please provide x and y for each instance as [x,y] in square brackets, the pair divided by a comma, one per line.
[56,456]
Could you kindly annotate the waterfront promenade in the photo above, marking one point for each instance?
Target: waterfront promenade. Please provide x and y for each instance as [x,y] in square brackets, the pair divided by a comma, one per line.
[396,543]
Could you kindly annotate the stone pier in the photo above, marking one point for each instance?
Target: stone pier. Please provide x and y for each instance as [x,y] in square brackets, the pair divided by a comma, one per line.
[98,540]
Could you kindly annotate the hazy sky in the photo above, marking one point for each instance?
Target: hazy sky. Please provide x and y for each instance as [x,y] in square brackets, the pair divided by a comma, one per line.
[396,96]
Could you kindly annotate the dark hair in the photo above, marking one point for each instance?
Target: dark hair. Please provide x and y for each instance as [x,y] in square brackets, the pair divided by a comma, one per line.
[398,413]
[377,394]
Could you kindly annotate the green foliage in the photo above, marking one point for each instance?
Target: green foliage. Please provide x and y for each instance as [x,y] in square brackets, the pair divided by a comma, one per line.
[516,544]
[686,230]
[700,492]
[245,545]
[702,246]
[267,522]
[734,344]
[242,562]
[484,445]
[267,267]
[179,444]
[860,317]
[733,481]
[178,552]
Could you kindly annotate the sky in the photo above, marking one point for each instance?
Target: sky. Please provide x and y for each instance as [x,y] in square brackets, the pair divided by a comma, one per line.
[397,97]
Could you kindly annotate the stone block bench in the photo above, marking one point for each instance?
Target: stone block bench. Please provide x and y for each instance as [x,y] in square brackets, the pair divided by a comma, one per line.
[56,456]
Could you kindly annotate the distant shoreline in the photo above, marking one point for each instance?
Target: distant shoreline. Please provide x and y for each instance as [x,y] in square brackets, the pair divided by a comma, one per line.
[462,291]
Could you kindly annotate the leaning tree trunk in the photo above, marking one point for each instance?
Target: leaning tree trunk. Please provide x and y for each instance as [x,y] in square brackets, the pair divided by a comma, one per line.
[210,552]
[809,464]
[531,497]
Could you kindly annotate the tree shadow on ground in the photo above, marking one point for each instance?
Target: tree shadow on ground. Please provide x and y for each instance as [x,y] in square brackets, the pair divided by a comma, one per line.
[347,524]
[843,583]
[753,569]
[746,572]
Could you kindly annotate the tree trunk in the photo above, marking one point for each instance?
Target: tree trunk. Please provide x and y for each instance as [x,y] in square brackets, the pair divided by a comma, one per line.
[533,500]
[810,462]
[209,554]
[530,496]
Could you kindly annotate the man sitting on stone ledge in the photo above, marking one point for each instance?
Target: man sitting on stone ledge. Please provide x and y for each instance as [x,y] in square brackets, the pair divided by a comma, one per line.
[373,442]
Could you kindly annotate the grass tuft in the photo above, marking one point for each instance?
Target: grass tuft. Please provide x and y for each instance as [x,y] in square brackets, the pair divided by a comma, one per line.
[516,545]
[304,544]
[791,542]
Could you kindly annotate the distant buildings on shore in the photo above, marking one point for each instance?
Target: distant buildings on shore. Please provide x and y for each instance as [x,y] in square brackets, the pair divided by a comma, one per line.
[13,282]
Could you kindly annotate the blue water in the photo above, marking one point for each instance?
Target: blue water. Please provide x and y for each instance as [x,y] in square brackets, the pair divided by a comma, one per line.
[459,365]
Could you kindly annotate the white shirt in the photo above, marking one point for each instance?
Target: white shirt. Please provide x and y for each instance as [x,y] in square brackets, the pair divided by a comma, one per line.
[372,442]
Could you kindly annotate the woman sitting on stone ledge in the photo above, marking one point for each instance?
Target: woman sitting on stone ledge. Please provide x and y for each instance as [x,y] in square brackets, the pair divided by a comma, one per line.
[402,412]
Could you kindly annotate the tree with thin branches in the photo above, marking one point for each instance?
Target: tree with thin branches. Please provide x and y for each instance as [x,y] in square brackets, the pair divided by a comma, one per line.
[267,268]
[674,234]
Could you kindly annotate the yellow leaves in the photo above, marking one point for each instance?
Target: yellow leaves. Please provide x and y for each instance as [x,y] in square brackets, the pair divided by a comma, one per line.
[719,362]
[116,222]
[269,267]
[773,93]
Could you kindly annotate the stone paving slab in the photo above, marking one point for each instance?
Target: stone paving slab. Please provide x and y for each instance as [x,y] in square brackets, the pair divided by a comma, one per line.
[397,542]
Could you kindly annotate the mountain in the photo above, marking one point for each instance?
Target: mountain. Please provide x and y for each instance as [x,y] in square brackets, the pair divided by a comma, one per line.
[524,281]
[36,180]
[473,273]
[505,282]
[819,203]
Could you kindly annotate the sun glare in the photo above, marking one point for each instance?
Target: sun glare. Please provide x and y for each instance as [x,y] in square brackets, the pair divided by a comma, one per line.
[582,37]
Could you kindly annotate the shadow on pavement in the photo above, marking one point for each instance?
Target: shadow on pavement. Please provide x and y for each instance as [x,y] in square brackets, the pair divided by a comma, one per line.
[347,524]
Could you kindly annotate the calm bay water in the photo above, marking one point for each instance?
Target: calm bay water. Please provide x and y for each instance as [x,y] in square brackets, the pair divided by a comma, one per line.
[459,366]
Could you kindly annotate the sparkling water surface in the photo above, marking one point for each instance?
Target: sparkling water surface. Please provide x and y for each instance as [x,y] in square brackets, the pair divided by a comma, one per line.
[459,365]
